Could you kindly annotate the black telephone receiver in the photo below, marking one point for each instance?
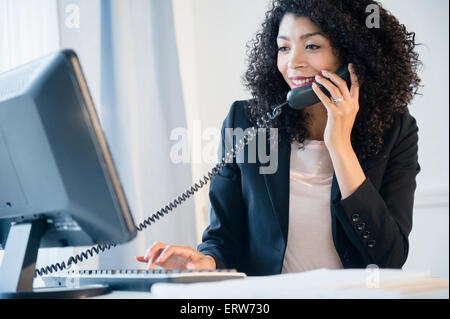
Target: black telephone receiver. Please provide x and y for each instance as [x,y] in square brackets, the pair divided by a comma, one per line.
[302,97]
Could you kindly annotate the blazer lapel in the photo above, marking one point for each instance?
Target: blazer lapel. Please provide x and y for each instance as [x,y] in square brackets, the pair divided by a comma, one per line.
[335,190]
[278,187]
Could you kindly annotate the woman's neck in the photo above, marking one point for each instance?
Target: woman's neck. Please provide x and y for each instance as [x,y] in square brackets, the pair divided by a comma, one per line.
[317,122]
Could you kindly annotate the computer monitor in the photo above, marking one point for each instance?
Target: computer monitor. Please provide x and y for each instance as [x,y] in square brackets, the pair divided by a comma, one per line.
[58,183]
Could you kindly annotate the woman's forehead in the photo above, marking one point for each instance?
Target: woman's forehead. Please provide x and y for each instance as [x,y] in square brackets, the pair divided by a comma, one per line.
[299,26]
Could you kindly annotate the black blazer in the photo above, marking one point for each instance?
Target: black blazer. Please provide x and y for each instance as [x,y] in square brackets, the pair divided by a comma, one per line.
[249,212]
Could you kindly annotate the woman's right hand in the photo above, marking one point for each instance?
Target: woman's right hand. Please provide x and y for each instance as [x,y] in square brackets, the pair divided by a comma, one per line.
[176,257]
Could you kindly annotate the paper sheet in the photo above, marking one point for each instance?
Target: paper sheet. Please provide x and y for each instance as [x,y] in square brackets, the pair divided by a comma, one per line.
[316,284]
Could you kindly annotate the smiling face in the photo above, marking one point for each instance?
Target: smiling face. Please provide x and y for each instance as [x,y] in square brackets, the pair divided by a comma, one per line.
[303,51]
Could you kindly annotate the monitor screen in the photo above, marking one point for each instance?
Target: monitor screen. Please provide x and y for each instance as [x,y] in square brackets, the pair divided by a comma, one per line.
[55,165]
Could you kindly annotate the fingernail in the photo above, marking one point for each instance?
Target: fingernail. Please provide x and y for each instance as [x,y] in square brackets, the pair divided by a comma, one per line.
[324,72]
[149,263]
[318,77]
[147,252]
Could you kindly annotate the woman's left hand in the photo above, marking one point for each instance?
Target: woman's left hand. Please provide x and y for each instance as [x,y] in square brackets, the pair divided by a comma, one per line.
[341,115]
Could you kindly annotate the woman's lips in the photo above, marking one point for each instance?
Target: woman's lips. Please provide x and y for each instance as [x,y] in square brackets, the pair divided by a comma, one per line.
[308,82]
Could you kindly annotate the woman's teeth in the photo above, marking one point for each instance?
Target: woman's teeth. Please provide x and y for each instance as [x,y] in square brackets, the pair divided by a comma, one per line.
[300,82]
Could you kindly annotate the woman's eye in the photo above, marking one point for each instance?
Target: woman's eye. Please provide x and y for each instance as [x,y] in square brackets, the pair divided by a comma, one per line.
[312,46]
[282,49]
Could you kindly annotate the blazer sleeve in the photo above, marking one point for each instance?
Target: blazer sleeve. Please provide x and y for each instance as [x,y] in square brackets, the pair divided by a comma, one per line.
[224,237]
[378,222]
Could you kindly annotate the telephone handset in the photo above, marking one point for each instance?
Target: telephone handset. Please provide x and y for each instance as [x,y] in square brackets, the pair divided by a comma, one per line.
[297,99]
[304,96]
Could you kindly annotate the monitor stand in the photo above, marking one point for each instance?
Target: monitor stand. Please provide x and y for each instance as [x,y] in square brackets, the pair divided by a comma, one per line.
[17,270]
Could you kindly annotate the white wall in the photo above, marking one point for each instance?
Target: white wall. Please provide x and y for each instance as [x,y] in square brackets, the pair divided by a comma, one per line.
[211,40]
[429,238]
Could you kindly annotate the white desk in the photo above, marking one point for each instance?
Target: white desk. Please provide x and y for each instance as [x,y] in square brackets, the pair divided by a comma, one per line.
[317,284]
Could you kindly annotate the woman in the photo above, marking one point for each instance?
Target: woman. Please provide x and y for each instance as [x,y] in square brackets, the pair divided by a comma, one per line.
[343,194]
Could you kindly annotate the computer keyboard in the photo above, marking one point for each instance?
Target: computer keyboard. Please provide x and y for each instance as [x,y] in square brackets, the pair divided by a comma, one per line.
[136,280]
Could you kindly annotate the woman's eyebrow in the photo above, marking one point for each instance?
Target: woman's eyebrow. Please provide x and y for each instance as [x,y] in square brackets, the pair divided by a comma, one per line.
[303,37]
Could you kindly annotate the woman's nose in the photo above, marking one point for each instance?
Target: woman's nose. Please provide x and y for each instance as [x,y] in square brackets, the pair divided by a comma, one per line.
[296,60]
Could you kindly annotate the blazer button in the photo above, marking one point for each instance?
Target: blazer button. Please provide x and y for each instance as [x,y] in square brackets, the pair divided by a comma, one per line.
[371,243]
[346,256]
[361,226]
[355,218]
[365,234]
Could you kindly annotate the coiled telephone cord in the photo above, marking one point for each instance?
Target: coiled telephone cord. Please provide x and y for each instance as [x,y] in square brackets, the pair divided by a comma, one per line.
[95,250]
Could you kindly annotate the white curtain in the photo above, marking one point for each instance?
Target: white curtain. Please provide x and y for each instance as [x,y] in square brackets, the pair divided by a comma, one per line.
[128,51]
[28,30]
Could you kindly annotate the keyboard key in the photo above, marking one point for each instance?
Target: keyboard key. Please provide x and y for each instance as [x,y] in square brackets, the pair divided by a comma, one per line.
[139,280]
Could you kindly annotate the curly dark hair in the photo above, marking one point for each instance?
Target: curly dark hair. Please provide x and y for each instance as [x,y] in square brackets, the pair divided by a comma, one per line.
[384,60]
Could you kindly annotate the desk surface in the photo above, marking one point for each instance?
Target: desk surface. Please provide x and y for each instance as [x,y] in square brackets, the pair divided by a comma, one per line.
[317,284]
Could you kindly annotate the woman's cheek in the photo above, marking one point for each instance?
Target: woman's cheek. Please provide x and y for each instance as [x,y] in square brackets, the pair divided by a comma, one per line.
[282,67]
